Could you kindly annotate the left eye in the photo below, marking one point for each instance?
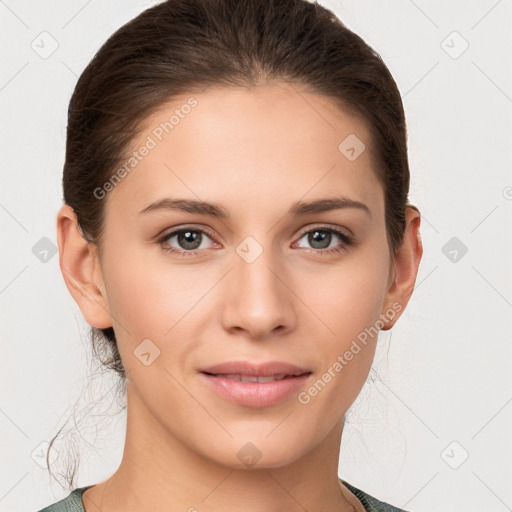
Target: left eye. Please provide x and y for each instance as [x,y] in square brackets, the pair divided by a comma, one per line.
[321,238]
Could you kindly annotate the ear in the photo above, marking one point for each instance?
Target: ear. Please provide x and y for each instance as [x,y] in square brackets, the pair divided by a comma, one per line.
[405,269]
[81,270]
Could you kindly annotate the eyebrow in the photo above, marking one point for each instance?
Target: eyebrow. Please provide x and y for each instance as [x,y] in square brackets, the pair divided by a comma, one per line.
[298,208]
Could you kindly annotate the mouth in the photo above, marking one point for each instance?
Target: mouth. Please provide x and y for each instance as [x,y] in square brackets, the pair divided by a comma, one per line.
[254,385]
[251,378]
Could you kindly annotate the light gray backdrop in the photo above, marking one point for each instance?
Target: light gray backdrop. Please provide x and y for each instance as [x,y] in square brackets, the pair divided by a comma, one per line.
[431,429]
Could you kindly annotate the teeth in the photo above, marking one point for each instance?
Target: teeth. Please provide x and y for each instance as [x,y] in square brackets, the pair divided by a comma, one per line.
[247,378]
[271,378]
[250,378]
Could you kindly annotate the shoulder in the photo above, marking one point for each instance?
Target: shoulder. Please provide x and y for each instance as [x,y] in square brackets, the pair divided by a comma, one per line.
[370,503]
[71,503]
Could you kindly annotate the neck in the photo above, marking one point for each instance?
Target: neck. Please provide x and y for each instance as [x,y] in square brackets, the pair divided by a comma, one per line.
[159,473]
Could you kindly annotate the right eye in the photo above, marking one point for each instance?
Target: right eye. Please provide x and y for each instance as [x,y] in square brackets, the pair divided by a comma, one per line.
[189,239]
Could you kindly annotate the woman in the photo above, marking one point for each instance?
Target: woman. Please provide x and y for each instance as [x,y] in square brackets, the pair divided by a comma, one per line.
[237,227]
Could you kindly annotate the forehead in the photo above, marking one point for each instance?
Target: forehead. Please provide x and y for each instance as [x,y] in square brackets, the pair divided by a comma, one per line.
[237,145]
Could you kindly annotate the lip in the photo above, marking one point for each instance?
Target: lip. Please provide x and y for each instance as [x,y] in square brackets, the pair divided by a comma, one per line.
[266,369]
[255,394]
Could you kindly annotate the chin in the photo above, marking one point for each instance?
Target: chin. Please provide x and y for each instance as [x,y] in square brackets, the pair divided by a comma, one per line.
[258,451]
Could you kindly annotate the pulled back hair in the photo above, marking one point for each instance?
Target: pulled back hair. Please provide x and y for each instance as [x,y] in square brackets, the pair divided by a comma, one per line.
[184,46]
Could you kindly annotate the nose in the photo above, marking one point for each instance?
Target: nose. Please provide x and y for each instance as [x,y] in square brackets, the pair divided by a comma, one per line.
[259,298]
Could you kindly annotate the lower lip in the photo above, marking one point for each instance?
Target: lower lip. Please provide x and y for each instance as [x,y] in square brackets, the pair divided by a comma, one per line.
[255,394]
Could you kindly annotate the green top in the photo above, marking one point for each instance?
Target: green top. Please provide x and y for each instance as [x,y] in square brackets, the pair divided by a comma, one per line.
[73,502]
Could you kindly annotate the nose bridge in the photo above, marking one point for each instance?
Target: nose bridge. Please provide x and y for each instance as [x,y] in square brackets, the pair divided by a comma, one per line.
[257,299]
[254,267]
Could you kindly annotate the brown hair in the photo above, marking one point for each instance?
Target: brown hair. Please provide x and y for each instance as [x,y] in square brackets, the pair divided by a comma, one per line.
[184,46]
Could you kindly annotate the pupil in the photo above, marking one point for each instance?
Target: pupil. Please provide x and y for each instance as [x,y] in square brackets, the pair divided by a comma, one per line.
[320,236]
[183,239]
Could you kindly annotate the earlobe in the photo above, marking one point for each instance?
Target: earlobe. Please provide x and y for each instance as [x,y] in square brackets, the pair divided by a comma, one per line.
[406,263]
[81,270]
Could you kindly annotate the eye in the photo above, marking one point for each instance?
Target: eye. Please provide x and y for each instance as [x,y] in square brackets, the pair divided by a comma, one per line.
[189,239]
[320,239]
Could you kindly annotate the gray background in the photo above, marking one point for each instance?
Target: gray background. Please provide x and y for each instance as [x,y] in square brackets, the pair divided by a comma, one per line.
[431,428]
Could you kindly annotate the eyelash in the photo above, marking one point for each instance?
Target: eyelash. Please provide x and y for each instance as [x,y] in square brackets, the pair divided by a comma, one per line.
[346,239]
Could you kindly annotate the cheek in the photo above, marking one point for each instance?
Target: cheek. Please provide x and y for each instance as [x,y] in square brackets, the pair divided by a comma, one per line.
[148,299]
[347,298]
[164,302]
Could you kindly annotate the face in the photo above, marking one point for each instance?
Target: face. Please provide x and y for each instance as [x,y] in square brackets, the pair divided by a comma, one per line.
[269,280]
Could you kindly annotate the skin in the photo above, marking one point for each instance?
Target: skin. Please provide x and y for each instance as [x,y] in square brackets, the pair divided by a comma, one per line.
[255,152]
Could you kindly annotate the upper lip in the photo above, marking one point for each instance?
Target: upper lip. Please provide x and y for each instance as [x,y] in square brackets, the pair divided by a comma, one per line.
[267,369]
